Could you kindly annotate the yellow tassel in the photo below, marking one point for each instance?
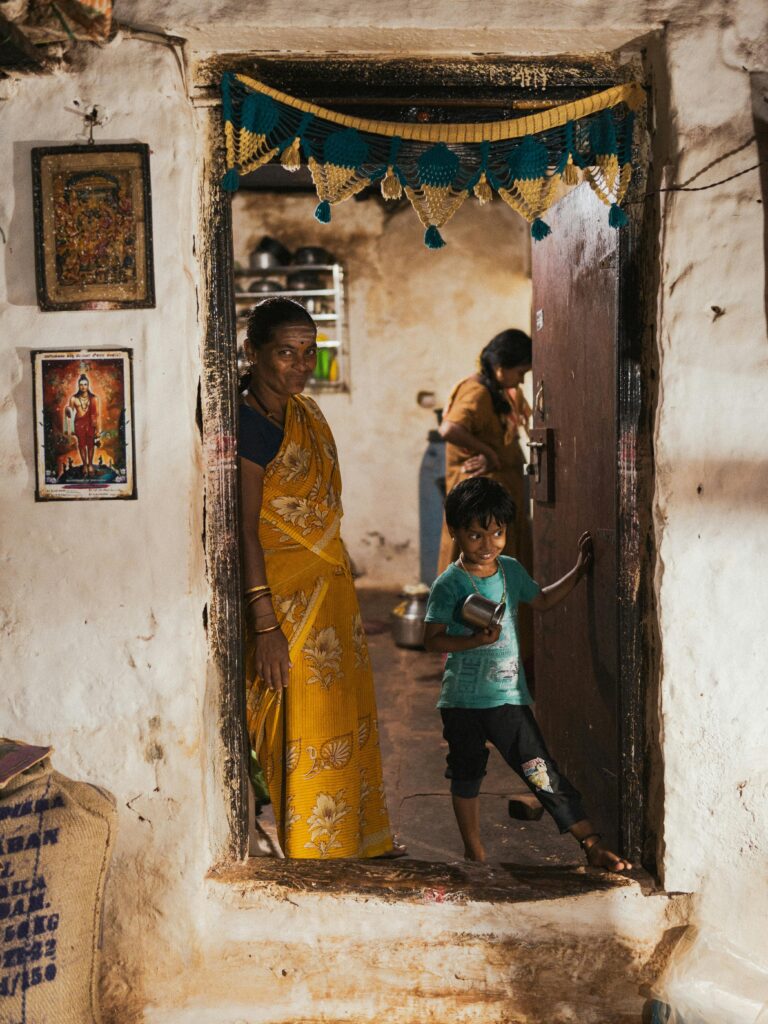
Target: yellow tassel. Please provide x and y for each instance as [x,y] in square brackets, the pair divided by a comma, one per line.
[483,190]
[390,185]
[291,158]
[571,173]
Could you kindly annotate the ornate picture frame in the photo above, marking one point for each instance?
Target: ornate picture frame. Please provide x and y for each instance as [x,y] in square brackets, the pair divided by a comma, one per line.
[93,227]
[84,425]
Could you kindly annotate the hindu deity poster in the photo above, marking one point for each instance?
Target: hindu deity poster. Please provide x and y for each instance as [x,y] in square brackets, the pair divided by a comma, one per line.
[93,227]
[84,437]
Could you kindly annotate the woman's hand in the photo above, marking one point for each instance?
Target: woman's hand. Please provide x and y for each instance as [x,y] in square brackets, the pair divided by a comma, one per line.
[586,554]
[273,663]
[477,465]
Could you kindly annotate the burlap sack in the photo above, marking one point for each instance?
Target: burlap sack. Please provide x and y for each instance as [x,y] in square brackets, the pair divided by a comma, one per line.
[56,839]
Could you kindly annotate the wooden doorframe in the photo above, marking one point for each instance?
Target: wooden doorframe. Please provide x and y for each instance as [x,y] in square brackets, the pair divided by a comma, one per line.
[482,82]
[635,359]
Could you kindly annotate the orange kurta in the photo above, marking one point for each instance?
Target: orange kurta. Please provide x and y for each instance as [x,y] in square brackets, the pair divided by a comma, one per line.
[318,740]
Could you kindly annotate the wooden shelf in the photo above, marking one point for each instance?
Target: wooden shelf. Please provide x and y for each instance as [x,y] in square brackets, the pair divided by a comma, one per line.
[305,292]
[334,297]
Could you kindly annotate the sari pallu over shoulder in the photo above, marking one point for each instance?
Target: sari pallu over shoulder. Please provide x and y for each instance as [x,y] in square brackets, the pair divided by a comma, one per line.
[314,740]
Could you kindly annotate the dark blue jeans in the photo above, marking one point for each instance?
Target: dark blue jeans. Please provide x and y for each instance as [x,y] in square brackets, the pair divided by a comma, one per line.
[515,733]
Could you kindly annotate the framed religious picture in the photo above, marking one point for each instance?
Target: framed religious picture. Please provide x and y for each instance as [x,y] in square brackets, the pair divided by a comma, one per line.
[84,437]
[93,227]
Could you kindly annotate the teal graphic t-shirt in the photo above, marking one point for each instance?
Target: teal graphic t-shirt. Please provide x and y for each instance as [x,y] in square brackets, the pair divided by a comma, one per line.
[488,676]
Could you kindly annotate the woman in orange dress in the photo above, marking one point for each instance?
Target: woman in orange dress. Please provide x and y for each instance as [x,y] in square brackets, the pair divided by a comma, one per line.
[481,424]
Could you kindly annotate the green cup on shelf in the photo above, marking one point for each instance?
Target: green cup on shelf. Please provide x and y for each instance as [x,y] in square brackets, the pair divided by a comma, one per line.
[323,364]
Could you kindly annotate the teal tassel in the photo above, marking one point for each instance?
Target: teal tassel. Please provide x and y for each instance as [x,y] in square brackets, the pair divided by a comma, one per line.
[231,180]
[433,239]
[323,212]
[617,218]
[540,229]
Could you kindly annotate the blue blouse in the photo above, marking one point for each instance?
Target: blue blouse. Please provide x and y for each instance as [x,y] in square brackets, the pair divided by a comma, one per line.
[260,439]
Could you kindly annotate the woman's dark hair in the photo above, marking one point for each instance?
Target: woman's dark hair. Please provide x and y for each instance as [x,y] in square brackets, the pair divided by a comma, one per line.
[481,499]
[265,317]
[509,348]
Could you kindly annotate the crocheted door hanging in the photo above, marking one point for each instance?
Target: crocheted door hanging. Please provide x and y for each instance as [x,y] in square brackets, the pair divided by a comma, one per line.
[526,161]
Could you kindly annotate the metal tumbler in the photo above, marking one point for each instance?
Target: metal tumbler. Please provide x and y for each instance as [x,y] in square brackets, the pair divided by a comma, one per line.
[481,613]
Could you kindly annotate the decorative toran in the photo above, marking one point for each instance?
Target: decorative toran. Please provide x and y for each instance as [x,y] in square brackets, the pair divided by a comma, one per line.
[525,160]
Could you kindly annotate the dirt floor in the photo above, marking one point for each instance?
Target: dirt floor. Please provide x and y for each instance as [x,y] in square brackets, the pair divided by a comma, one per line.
[413,750]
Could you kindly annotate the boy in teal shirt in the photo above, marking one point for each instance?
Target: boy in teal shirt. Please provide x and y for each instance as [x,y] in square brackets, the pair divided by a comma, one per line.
[484,696]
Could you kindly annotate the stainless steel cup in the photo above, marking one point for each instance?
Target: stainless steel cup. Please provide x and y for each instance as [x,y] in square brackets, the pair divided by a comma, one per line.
[481,613]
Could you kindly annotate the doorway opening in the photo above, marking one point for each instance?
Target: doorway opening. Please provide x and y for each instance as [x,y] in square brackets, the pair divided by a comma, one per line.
[386,359]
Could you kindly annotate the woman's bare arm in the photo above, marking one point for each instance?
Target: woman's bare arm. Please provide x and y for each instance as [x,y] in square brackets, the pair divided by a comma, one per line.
[272,657]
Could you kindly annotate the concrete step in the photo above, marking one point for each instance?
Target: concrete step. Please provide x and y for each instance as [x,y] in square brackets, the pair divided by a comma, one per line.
[412,943]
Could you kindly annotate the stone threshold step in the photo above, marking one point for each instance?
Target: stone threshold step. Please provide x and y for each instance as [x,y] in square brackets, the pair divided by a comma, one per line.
[415,881]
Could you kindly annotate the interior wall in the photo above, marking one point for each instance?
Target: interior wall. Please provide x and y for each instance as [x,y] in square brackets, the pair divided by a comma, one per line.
[418,319]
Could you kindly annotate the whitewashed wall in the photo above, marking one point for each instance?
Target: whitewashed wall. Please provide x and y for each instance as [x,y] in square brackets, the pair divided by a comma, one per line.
[712,488]
[103,649]
[417,321]
[103,643]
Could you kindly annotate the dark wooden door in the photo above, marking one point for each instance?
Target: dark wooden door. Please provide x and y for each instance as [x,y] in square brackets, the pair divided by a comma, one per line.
[575,325]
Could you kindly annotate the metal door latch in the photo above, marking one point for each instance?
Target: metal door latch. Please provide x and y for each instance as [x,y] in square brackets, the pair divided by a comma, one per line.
[541,468]
[538,402]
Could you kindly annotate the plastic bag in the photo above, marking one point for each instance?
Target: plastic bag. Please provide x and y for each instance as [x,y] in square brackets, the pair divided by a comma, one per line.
[709,981]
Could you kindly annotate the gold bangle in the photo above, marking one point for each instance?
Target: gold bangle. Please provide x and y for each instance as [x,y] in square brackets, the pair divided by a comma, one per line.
[256,589]
[269,629]
[257,597]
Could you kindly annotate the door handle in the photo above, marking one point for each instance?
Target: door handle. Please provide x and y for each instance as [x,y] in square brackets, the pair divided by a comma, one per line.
[538,402]
[542,464]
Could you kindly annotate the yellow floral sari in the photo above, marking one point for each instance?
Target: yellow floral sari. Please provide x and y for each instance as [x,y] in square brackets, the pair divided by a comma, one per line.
[317,741]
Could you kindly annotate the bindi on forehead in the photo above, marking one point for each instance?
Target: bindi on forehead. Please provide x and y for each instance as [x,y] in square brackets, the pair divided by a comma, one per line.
[294,334]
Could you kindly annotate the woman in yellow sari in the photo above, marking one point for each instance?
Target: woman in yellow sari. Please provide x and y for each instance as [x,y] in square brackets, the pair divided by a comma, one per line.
[311,706]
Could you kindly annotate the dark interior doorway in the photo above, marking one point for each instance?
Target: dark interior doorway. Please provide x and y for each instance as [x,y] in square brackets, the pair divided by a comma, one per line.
[449,91]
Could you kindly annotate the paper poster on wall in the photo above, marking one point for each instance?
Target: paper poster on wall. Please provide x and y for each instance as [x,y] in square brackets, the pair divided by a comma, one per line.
[84,437]
[93,227]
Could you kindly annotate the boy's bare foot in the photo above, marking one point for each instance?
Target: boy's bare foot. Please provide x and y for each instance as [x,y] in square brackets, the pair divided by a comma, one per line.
[599,856]
[475,853]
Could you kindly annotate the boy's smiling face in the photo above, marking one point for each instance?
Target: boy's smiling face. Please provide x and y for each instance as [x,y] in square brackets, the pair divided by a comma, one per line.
[481,545]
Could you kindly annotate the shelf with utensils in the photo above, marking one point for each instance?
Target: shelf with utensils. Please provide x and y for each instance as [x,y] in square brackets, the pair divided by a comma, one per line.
[319,287]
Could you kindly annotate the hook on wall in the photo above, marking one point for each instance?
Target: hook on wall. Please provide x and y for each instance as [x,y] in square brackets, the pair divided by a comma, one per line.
[93,117]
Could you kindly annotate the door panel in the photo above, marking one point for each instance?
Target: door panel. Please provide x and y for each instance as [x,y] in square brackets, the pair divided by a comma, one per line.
[575,323]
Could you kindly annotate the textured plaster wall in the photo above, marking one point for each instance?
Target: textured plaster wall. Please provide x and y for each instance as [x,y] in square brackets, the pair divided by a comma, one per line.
[103,650]
[711,484]
[103,642]
[417,321]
